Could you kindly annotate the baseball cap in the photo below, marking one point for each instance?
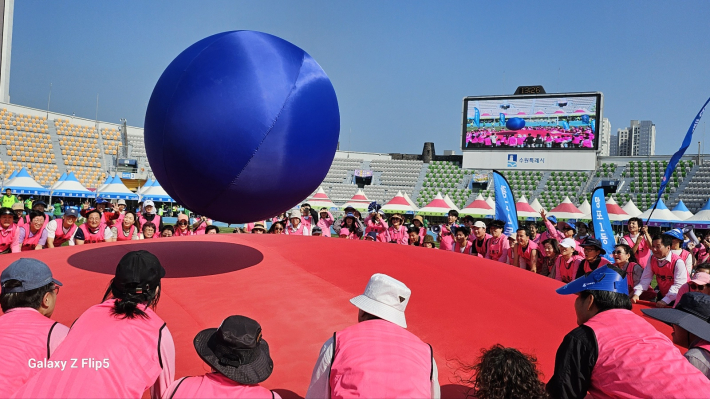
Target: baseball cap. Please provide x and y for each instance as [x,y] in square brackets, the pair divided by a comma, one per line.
[316,229]
[568,243]
[32,273]
[138,267]
[700,278]
[386,298]
[479,224]
[552,218]
[71,212]
[148,203]
[601,279]
[570,225]
[6,211]
[675,233]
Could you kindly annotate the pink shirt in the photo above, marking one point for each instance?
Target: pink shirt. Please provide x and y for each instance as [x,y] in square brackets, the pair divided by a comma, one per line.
[447,239]
[380,227]
[498,249]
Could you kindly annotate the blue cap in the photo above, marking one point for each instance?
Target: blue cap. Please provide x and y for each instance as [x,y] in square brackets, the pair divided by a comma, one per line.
[601,279]
[552,218]
[72,211]
[99,200]
[372,234]
[350,215]
[675,233]
[572,225]
[32,273]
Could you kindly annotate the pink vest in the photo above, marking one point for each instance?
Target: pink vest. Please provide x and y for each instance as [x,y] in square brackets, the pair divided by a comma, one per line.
[30,243]
[90,238]
[447,240]
[216,385]
[495,247]
[481,248]
[59,236]
[566,271]
[6,237]
[179,232]
[156,221]
[643,252]
[630,275]
[24,335]
[637,361]
[397,235]
[465,250]
[201,228]
[528,251]
[379,359]
[130,346]
[297,232]
[122,237]
[26,220]
[325,224]
[665,275]
[603,261]
[379,228]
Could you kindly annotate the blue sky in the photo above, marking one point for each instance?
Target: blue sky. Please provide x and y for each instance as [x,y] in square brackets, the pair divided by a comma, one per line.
[400,69]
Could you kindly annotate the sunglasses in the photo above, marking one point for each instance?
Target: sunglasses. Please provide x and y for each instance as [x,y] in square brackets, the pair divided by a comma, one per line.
[182,223]
[696,287]
[278,229]
[618,252]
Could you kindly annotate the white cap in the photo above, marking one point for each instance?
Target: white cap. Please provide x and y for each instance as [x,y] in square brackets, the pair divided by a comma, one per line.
[569,243]
[386,298]
[479,224]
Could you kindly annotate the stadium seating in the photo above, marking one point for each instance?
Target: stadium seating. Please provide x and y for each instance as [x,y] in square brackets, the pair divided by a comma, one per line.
[697,191]
[446,178]
[81,151]
[112,141]
[646,179]
[563,184]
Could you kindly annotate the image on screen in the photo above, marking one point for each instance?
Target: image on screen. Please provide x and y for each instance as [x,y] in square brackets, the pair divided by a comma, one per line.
[544,122]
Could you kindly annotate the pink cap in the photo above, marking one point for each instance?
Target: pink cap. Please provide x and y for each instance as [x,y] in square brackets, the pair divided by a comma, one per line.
[344,232]
[701,278]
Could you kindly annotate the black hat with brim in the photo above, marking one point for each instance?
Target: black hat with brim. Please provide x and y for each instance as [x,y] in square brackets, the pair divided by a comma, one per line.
[593,242]
[256,364]
[691,313]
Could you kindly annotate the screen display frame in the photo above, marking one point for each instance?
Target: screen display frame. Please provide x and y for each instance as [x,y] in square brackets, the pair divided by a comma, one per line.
[597,127]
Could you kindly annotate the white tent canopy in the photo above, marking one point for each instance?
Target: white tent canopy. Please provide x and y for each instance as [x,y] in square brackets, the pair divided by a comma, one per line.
[682,211]
[23,183]
[662,215]
[320,200]
[566,210]
[117,190]
[398,204]
[586,209]
[631,209]
[71,187]
[437,207]
[537,206]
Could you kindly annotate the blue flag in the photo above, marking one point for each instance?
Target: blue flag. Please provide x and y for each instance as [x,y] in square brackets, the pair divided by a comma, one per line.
[477,117]
[679,154]
[505,204]
[602,225]
[501,116]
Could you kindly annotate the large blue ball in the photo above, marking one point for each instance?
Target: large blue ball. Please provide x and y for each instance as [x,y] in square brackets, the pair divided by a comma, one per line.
[515,123]
[241,126]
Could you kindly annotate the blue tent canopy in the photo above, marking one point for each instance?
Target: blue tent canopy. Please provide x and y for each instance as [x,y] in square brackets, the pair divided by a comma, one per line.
[23,183]
[71,187]
[117,190]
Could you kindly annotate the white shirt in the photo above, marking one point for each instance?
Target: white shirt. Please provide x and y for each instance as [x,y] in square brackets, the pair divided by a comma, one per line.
[52,231]
[680,277]
[688,262]
[320,379]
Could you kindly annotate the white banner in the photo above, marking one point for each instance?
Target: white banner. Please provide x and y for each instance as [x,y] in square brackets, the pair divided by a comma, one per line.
[558,160]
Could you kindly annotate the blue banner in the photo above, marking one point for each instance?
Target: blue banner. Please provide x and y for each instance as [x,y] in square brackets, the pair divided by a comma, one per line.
[477,117]
[679,154]
[502,119]
[602,225]
[505,204]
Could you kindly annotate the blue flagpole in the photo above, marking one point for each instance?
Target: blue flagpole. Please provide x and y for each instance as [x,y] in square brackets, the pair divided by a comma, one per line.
[677,156]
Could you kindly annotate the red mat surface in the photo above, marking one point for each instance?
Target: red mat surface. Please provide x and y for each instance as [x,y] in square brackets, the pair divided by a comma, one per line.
[299,288]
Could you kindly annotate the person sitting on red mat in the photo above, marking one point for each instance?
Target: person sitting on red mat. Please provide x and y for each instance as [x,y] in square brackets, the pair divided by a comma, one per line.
[614,353]
[239,358]
[668,268]
[357,362]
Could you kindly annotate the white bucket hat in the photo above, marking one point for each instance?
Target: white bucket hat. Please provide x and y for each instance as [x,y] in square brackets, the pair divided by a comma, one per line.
[296,213]
[386,298]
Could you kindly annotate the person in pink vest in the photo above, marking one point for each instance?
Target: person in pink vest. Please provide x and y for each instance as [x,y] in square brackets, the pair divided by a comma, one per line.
[534,235]
[461,243]
[258,228]
[551,248]
[396,232]
[94,230]
[677,248]
[446,236]
[376,222]
[325,221]
[526,251]
[8,229]
[28,335]
[689,320]
[698,282]
[127,229]
[309,217]
[593,258]
[479,239]
[199,225]
[182,227]
[622,260]
[296,226]
[108,217]
[63,229]
[639,240]
[31,236]
[239,358]
[19,210]
[568,262]
[166,232]
[39,207]
[149,215]
[122,347]
[498,244]
[418,221]
[357,361]
[614,353]
[667,267]
[148,232]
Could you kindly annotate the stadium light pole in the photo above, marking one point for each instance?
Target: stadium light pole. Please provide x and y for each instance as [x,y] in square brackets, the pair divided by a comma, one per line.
[49,99]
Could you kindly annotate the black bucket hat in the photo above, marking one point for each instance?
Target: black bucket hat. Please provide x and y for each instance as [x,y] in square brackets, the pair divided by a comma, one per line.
[236,349]
[593,242]
[691,313]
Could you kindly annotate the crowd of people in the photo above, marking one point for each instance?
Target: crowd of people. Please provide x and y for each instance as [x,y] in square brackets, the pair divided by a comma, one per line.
[531,137]
[126,349]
